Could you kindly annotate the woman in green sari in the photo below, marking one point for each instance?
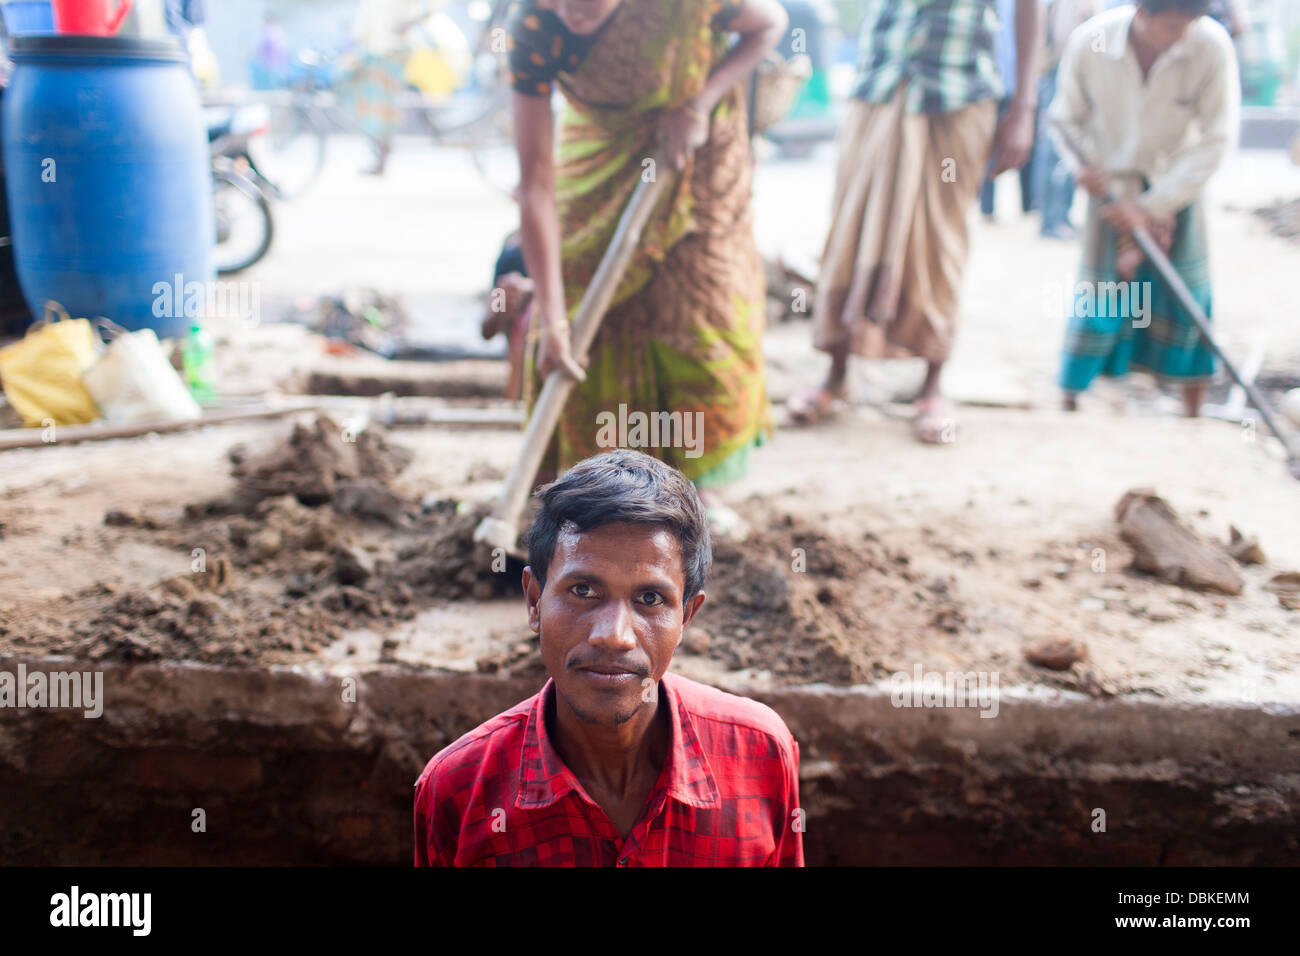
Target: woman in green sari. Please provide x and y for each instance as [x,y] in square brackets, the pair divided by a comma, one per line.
[682,340]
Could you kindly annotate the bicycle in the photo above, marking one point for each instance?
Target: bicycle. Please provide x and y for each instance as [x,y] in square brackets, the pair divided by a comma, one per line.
[290,155]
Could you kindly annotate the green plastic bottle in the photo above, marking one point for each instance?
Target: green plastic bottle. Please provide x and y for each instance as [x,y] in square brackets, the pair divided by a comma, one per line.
[197,358]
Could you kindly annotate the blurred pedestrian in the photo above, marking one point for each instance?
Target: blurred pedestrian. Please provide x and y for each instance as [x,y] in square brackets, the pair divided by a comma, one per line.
[375,87]
[270,66]
[1053,183]
[1152,96]
[916,138]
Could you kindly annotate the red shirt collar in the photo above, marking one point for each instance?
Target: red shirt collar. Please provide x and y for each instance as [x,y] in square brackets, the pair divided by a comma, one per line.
[544,778]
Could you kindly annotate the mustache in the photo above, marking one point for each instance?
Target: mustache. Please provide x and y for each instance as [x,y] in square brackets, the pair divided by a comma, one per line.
[635,667]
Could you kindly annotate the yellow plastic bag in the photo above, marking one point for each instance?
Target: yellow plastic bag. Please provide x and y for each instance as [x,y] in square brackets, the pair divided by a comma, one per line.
[42,373]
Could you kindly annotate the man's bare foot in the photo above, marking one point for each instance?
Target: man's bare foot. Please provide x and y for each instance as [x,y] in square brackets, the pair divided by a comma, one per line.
[1070,402]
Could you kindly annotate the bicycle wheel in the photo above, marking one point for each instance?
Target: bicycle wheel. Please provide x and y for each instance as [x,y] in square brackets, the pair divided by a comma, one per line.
[290,153]
[243,220]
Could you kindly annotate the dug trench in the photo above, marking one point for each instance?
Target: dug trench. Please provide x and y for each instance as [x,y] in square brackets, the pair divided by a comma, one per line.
[244,721]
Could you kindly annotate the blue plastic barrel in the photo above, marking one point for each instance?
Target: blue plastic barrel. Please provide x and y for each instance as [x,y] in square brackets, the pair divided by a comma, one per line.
[108,179]
[27,16]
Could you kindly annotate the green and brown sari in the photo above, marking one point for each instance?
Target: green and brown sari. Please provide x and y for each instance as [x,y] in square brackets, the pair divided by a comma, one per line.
[684,329]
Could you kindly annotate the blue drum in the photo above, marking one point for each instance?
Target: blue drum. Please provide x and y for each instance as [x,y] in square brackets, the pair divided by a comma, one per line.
[108,179]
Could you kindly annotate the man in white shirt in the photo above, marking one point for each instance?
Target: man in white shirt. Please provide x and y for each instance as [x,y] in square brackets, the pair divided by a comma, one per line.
[1152,97]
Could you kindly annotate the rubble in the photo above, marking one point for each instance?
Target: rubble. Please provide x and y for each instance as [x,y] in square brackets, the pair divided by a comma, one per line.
[1165,547]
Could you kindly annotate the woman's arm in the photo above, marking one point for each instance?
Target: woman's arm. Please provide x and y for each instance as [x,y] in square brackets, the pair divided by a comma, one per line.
[761,25]
[539,230]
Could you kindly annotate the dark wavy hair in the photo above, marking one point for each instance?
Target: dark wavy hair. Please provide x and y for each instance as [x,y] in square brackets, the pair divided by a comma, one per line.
[623,486]
[1188,8]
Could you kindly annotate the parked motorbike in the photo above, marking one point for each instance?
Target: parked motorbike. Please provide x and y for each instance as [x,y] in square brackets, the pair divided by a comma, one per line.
[240,196]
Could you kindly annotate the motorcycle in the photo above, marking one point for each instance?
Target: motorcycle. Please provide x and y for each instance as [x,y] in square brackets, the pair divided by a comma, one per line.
[240,196]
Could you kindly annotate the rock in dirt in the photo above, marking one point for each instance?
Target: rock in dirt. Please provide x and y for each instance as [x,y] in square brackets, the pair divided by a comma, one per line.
[122,519]
[1165,547]
[1287,588]
[352,565]
[265,544]
[367,498]
[1057,654]
[1245,550]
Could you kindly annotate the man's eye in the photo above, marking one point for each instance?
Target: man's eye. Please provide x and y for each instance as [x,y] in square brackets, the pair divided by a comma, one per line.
[653,597]
[582,590]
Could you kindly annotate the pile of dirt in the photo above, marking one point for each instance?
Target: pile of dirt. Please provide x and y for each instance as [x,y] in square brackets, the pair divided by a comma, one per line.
[314,539]
[317,537]
[801,604]
[320,535]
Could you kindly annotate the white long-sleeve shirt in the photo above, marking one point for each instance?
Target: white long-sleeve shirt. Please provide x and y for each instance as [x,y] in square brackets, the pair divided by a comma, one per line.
[1175,128]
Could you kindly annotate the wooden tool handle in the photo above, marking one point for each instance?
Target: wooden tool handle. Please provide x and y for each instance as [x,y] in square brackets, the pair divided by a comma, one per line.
[501,529]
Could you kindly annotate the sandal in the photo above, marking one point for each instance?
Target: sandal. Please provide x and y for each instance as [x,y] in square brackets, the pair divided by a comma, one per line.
[934,423]
[813,406]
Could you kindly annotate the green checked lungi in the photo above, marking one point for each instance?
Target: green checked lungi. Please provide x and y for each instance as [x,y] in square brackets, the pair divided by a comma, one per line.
[1116,325]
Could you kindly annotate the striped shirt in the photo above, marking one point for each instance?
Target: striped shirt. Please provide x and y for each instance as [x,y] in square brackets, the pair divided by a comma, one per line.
[944,50]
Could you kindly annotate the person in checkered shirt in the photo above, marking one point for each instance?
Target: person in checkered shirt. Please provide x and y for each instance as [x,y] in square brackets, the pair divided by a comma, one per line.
[616,762]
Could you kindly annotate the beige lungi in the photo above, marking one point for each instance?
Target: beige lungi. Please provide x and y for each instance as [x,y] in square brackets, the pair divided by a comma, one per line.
[904,184]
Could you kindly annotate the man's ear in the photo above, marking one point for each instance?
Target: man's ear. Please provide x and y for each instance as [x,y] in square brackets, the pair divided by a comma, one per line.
[689,611]
[532,595]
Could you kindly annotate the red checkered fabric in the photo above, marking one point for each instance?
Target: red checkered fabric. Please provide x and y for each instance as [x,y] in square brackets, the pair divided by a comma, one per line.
[728,794]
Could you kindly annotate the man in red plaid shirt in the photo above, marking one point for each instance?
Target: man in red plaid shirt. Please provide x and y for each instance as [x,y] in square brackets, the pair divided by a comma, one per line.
[616,762]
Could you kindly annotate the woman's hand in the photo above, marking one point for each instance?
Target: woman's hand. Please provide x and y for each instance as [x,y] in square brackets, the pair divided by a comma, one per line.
[682,131]
[557,351]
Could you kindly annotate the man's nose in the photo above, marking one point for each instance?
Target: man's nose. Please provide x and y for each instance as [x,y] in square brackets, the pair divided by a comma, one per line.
[613,627]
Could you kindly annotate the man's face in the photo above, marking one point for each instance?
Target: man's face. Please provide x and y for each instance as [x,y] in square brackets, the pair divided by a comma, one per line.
[1160,31]
[610,617]
[584,16]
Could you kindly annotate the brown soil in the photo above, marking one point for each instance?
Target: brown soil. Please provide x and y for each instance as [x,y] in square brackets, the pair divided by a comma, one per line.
[802,604]
[315,548]
[312,541]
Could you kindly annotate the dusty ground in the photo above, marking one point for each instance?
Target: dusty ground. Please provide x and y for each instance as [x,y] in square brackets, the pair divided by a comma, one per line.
[953,558]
